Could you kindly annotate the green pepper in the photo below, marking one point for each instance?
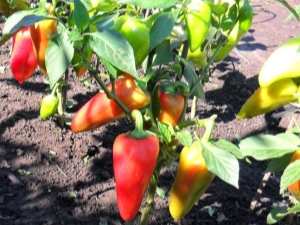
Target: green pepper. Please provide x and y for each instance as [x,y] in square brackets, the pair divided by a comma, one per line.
[192,180]
[134,159]
[243,24]
[137,33]
[48,106]
[283,63]
[198,57]
[267,99]
[197,19]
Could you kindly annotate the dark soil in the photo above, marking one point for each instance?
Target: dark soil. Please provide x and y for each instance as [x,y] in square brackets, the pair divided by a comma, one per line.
[62,189]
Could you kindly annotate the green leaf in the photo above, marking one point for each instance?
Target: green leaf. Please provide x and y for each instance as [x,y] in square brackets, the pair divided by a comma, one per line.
[294,209]
[59,55]
[80,15]
[104,23]
[273,216]
[19,20]
[113,47]
[192,79]
[163,4]
[262,147]
[279,164]
[166,134]
[228,146]
[290,8]
[162,27]
[292,15]
[185,138]
[222,163]
[160,192]
[290,137]
[163,54]
[290,175]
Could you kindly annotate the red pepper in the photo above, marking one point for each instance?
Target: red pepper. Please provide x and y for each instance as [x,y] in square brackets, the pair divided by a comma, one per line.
[134,159]
[23,61]
[101,110]
[172,103]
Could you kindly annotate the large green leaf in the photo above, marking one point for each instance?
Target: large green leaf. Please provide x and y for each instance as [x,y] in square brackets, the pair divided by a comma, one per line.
[80,15]
[224,144]
[59,54]
[162,27]
[290,175]
[222,163]
[262,147]
[163,54]
[113,47]
[149,4]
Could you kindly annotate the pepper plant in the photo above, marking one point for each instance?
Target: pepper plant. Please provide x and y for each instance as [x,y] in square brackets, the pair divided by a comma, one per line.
[150,50]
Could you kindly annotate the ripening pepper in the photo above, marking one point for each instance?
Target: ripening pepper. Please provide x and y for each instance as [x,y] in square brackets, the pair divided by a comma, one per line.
[23,61]
[49,106]
[192,180]
[243,24]
[8,9]
[294,188]
[137,33]
[172,104]
[77,57]
[198,57]
[267,99]
[101,110]
[40,38]
[283,63]
[197,19]
[134,159]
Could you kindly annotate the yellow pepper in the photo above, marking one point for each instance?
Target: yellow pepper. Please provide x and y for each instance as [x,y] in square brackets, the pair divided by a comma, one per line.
[192,180]
[284,62]
[267,99]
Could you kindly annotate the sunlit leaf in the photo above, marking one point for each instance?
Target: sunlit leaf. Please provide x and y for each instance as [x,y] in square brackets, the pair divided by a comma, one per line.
[113,47]
[267,146]
[163,4]
[290,175]
[222,163]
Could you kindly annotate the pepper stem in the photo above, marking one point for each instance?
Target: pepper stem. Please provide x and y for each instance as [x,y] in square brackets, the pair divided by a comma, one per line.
[138,132]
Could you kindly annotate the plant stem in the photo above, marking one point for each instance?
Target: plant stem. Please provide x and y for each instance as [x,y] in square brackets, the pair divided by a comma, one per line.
[150,197]
[112,95]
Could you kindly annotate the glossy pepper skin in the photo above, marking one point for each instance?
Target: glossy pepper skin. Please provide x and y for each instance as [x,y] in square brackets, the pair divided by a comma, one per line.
[101,110]
[198,57]
[172,105]
[294,188]
[283,63]
[197,19]
[40,38]
[137,33]
[48,106]
[269,98]
[23,61]
[192,180]
[134,160]
[8,9]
